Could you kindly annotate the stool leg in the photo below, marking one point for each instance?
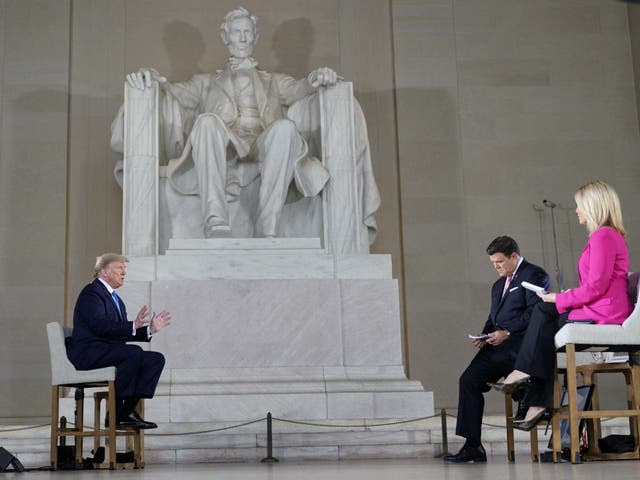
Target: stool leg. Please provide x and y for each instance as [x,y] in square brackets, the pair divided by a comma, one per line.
[635,404]
[594,427]
[112,425]
[508,411]
[556,434]
[140,436]
[574,414]
[96,423]
[55,407]
[79,444]
[533,439]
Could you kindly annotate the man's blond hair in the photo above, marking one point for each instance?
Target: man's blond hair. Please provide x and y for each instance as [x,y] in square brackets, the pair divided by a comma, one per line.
[105,259]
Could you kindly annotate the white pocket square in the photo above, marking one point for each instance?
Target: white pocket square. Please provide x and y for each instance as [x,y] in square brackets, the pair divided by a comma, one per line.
[512,289]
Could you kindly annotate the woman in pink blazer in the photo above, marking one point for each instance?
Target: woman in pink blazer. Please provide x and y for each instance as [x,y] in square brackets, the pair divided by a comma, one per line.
[601,298]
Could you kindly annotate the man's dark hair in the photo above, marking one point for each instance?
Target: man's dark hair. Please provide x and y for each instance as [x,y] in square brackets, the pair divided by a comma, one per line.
[505,245]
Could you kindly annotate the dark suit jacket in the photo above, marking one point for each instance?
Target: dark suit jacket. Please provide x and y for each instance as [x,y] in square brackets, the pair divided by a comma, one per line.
[97,326]
[512,312]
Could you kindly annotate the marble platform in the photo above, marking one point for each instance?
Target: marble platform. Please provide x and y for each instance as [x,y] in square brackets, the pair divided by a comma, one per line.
[277,326]
[255,258]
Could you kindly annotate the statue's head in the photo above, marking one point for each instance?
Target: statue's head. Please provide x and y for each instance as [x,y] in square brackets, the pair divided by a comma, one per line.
[239,32]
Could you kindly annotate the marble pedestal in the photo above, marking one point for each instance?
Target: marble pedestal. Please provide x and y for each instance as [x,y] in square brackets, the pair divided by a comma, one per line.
[275,325]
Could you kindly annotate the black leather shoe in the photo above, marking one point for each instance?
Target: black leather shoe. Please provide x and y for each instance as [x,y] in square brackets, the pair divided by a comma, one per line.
[140,419]
[468,455]
[129,421]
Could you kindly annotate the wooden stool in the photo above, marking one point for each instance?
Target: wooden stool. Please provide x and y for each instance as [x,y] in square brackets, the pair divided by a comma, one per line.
[533,434]
[593,416]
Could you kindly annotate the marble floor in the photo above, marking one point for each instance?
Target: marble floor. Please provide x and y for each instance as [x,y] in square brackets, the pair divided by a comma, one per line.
[434,468]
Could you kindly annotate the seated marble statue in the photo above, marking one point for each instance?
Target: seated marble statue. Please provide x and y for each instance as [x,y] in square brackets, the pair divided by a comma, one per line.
[233,127]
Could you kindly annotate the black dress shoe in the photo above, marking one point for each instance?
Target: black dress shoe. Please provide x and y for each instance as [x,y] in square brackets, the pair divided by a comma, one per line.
[140,419]
[531,424]
[468,455]
[511,387]
[129,421]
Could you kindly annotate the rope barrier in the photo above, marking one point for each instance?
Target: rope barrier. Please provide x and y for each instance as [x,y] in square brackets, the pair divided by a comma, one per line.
[283,420]
[30,427]
[315,424]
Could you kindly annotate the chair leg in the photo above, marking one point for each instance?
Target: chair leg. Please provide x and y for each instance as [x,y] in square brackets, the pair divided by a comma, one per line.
[96,422]
[55,407]
[635,404]
[533,439]
[508,411]
[555,421]
[79,427]
[140,437]
[572,394]
[112,425]
[589,377]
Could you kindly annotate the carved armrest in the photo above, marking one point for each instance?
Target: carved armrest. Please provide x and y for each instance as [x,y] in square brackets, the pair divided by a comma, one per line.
[141,158]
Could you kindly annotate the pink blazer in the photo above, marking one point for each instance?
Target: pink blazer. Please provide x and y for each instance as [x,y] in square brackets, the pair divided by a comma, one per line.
[602,269]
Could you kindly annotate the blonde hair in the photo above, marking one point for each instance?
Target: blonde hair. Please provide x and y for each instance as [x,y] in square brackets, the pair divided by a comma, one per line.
[600,206]
[105,259]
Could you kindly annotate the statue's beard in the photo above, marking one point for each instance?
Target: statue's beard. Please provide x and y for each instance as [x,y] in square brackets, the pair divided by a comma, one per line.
[237,52]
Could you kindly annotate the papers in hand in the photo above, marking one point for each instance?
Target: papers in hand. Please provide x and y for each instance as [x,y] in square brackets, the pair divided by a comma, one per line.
[478,337]
[532,287]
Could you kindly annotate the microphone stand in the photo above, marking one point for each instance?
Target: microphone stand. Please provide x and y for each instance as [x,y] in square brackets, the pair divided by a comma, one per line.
[559,277]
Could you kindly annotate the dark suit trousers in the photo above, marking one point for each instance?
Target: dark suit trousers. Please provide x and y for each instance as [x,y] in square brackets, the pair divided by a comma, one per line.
[489,365]
[137,371]
[537,351]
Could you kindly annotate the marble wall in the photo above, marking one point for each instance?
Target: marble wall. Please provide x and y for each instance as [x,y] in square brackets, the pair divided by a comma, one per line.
[477,110]
[501,104]
[34,71]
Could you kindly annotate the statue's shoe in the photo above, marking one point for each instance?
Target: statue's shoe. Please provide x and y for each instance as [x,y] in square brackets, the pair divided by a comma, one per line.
[217,231]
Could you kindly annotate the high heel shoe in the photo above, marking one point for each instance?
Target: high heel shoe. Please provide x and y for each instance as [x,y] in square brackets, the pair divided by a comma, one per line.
[511,387]
[528,425]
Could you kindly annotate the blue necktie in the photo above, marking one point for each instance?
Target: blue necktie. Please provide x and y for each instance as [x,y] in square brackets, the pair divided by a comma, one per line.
[114,295]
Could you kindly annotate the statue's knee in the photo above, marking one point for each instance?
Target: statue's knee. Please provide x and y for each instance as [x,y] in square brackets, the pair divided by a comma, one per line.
[207,122]
[283,127]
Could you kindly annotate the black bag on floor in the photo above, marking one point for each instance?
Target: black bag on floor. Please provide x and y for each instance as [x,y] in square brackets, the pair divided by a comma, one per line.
[616,444]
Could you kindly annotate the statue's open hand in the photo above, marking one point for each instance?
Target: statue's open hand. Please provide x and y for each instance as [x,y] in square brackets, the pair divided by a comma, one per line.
[144,77]
[323,76]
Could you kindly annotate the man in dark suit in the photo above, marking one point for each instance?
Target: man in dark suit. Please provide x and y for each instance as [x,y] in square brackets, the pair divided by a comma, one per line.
[100,332]
[511,306]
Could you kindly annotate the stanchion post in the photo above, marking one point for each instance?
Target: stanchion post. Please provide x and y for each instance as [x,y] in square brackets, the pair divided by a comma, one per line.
[445,439]
[269,458]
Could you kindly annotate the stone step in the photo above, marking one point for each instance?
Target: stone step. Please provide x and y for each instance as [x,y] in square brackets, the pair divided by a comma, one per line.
[186,246]
[250,265]
[327,440]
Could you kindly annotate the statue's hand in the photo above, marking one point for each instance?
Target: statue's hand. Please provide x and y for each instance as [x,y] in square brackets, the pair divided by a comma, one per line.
[323,76]
[144,77]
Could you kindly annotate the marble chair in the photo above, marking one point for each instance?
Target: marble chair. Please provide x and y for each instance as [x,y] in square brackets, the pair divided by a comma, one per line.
[575,337]
[64,374]
[331,122]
